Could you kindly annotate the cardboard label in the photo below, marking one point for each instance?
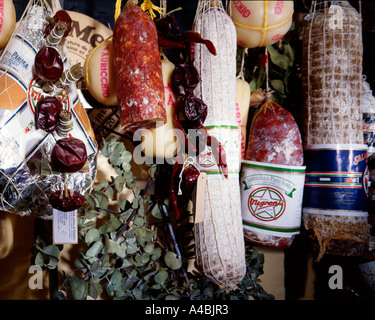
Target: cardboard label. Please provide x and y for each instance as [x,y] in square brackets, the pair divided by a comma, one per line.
[200,196]
[65,227]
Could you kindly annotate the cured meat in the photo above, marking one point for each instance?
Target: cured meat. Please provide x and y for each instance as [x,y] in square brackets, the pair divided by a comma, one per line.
[273,178]
[275,137]
[220,248]
[138,72]
[334,213]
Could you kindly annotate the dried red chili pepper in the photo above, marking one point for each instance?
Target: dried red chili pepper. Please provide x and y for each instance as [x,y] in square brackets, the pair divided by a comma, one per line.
[219,154]
[195,37]
[172,188]
[163,42]
[194,110]
[68,155]
[48,64]
[47,112]
[189,178]
[184,79]
[62,16]
[168,29]
[169,36]
[66,200]
[180,130]
[182,184]
[198,138]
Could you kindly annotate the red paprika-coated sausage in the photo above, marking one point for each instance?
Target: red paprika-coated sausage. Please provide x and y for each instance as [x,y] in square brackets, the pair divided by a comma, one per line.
[138,72]
[274,138]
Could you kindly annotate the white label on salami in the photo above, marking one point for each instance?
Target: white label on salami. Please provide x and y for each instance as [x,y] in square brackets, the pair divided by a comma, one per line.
[227,135]
[271,198]
[65,227]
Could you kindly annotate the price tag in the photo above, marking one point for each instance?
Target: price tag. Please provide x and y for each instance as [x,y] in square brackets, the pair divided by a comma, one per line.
[200,196]
[65,227]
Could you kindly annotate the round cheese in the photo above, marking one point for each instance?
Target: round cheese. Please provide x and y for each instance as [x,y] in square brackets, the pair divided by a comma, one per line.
[87,33]
[99,74]
[7,21]
[261,23]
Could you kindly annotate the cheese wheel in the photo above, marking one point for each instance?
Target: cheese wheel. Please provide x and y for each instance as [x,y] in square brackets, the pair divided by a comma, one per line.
[99,74]
[261,23]
[162,142]
[87,33]
[7,21]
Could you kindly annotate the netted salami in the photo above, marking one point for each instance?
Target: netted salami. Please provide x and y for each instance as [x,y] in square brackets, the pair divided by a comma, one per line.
[336,157]
[332,75]
[220,249]
[137,68]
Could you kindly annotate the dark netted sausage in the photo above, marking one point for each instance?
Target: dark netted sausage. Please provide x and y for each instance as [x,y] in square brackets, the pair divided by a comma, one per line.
[137,67]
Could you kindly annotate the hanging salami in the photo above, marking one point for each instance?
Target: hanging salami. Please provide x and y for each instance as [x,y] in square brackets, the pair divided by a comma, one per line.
[336,190]
[138,72]
[272,178]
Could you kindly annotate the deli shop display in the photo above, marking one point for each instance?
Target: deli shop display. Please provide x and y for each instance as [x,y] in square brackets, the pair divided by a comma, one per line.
[174,150]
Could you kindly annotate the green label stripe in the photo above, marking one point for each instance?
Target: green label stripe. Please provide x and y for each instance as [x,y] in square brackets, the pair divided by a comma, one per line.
[265,167]
[222,126]
[219,172]
[269,228]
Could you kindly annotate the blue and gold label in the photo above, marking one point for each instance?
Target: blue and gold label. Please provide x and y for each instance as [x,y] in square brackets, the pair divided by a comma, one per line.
[336,177]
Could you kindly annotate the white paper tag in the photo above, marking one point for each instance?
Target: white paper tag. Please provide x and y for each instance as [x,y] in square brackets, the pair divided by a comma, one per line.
[65,227]
[200,197]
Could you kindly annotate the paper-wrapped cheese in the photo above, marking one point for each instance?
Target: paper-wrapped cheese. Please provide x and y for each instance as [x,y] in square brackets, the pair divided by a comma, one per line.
[261,23]
[162,142]
[99,74]
[7,21]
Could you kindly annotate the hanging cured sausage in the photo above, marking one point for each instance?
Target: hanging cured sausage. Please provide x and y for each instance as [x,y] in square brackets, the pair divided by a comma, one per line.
[138,72]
